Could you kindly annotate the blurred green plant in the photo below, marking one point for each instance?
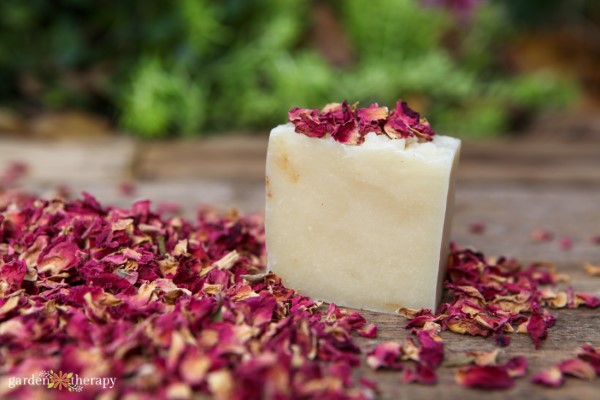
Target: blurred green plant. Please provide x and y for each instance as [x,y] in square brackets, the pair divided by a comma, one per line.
[193,66]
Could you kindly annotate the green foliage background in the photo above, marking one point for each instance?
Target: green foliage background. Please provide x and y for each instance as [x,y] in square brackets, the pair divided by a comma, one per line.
[190,66]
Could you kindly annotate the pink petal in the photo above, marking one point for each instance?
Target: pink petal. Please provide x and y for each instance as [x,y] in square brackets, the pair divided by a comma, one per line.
[484,377]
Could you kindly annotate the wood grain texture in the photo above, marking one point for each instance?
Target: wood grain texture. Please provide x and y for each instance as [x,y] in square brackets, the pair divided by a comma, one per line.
[242,158]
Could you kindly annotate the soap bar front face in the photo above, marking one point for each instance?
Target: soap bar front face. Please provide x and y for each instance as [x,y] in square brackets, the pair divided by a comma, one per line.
[362,226]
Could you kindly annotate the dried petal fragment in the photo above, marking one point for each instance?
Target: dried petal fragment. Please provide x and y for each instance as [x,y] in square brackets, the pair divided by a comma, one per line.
[591,355]
[307,122]
[431,351]
[592,269]
[586,299]
[385,355]
[516,366]
[368,331]
[411,313]
[484,377]
[371,118]
[554,299]
[552,377]
[477,227]
[502,340]
[566,243]
[347,133]
[542,235]
[577,368]
[483,357]
[421,374]
[538,325]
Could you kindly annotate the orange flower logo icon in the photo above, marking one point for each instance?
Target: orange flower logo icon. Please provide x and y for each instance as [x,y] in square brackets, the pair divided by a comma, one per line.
[60,380]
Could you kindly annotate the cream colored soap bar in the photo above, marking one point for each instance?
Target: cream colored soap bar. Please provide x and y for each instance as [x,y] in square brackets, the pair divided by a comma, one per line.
[364,226]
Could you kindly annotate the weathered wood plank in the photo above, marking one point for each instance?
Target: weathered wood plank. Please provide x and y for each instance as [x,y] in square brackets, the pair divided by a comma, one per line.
[512,188]
[51,161]
[503,161]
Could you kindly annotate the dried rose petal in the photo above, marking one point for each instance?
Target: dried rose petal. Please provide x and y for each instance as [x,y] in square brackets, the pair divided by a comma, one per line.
[404,122]
[385,355]
[554,299]
[552,377]
[587,300]
[591,355]
[347,133]
[585,366]
[15,171]
[595,240]
[371,118]
[483,357]
[516,366]
[502,340]
[591,269]
[413,313]
[307,122]
[421,374]
[431,352]
[484,377]
[565,243]
[577,368]
[126,189]
[542,235]
[368,331]
[538,325]
[477,227]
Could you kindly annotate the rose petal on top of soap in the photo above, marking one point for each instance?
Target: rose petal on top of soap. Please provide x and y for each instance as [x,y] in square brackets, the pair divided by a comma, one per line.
[405,122]
[349,124]
[307,122]
[370,119]
[347,133]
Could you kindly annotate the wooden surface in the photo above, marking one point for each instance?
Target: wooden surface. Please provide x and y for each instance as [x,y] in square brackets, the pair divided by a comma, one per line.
[512,186]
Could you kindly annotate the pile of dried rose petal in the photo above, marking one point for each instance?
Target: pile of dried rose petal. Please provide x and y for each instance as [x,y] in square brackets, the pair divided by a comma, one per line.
[171,308]
[349,124]
[166,306]
[490,297]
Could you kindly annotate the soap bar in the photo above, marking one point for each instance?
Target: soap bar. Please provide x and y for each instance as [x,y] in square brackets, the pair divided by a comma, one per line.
[363,226]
